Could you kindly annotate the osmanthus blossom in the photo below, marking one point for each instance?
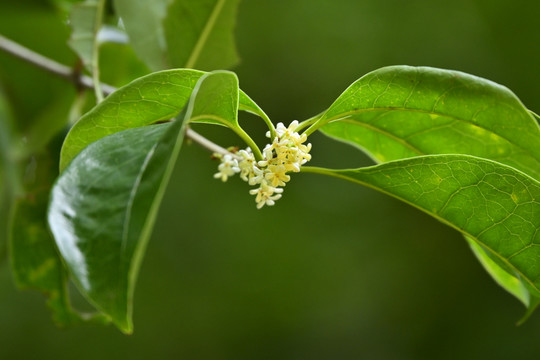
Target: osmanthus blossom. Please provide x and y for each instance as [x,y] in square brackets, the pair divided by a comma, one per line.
[286,153]
[227,168]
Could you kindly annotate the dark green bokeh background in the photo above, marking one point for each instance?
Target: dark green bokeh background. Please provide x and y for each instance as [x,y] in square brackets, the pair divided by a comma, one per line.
[334,270]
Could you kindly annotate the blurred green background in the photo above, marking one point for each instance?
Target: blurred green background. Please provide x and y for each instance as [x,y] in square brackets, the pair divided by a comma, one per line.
[334,270]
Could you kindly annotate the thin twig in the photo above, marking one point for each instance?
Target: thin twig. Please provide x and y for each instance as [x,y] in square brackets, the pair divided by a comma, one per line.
[66,73]
[49,65]
[204,142]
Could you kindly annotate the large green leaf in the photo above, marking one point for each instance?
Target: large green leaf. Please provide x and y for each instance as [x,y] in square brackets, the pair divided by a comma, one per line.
[102,209]
[143,22]
[147,100]
[200,33]
[493,204]
[104,204]
[401,111]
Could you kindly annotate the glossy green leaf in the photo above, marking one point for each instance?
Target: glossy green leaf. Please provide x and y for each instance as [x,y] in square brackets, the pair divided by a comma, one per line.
[401,111]
[85,20]
[147,100]
[102,209]
[143,22]
[493,204]
[104,205]
[199,33]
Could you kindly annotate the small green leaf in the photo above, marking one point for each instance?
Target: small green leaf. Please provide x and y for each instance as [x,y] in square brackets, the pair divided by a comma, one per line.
[401,111]
[221,105]
[143,22]
[493,204]
[104,205]
[199,33]
[85,20]
[147,100]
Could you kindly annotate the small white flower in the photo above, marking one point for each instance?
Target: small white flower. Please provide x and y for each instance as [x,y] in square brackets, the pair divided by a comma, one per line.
[275,174]
[256,177]
[266,195]
[227,168]
[246,164]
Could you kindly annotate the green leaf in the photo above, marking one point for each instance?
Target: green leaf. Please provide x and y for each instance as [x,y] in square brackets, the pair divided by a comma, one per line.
[199,33]
[104,205]
[102,210]
[85,20]
[493,204]
[143,22]
[401,111]
[147,100]
[221,107]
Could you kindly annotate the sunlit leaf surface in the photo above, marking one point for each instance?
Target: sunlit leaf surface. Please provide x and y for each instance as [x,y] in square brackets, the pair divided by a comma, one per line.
[401,111]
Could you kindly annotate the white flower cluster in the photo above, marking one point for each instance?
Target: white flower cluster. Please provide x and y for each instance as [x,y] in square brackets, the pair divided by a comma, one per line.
[286,153]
